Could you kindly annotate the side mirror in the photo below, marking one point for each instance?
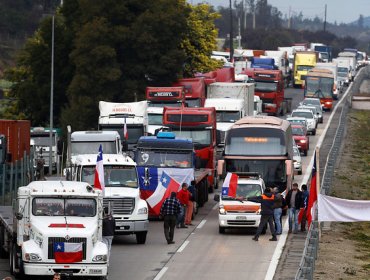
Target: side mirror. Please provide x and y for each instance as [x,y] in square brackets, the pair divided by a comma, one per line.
[216,197]
[19,216]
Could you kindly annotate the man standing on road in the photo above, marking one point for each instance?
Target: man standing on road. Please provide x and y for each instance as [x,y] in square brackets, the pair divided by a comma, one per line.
[278,210]
[109,226]
[295,202]
[267,200]
[184,196]
[305,203]
[170,209]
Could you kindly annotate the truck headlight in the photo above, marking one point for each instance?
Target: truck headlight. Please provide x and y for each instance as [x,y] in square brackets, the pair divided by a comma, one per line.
[143,210]
[222,210]
[33,257]
[303,141]
[100,258]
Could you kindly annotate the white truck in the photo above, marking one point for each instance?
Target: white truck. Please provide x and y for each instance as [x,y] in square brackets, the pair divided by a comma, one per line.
[51,220]
[155,119]
[121,194]
[232,102]
[333,67]
[351,56]
[113,116]
[40,146]
[344,73]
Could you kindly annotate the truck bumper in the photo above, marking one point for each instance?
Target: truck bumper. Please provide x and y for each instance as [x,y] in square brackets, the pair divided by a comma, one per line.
[241,220]
[78,269]
[129,227]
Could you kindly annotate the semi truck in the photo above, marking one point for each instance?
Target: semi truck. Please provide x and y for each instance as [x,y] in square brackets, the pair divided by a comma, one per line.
[47,217]
[14,140]
[232,102]
[344,73]
[40,144]
[325,52]
[351,57]
[121,193]
[269,86]
[194,91]
[303,62]
[133,115]
[200,125]
[175,156]
[281,62]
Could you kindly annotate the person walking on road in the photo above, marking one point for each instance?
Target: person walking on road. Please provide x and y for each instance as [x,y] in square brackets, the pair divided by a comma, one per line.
[184,196]
[109,226]
[295,202]
[267,200]
[190,205]
[305,195]
[170,209]
[278,210]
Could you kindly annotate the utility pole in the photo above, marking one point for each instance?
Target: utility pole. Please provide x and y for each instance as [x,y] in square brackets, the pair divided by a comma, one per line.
[245,14]
[289,18]
[231,34]
[325,19]
[239,37]
[51,101]
[254,17]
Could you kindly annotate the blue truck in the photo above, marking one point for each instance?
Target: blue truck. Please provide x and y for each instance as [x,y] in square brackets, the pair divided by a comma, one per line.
[325,53]
[263,63]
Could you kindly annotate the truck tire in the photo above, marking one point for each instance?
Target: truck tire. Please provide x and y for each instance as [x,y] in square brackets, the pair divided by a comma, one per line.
[16,263]
[305,153]
[141,237]
[314,132]
[221,230]
[3,252]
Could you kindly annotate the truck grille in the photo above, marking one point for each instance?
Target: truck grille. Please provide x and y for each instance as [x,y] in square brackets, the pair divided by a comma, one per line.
[120,206]
[52,240]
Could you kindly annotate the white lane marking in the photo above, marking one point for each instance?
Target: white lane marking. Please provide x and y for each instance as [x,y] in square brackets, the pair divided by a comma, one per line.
[201,224]
[182,247]
[161,273]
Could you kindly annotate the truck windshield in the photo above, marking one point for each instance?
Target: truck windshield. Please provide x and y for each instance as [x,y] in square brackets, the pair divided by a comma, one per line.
[155,119]
[227,116]
[164,104]
[164,158]
[114,176]
[43,140]
[192,102]
[49,206]
[200,137]
[83,148]
[319,87]
[255,141]
[272,171]
[265,86]
[304,67]
[134,132]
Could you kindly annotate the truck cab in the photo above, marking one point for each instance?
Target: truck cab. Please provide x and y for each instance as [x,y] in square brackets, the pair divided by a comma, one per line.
[51,215]
[234,210]
[121,194]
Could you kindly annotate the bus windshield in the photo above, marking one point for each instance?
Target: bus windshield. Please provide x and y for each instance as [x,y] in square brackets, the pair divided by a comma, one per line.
[227,116]
[200,137]
[114,176]
[164,158]
[272,171]
[255,141]
[319,87]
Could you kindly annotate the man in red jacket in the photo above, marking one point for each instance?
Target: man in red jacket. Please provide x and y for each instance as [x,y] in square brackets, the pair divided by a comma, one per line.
[183,196]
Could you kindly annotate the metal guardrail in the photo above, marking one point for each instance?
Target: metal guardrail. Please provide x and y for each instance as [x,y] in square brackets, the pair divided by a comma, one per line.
[307,264]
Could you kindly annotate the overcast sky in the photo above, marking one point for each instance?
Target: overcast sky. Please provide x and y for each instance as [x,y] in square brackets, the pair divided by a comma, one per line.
[337,10]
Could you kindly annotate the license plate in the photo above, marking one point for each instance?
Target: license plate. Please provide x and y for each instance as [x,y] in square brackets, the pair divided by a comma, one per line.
[95,271]
[241,217]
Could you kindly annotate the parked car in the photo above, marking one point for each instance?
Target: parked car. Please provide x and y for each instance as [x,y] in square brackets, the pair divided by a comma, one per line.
[301,139]
[297,160]
[314,102]
[311,121]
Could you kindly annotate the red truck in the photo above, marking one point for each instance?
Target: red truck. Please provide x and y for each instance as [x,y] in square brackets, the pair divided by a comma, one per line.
[195,91]
[14,140]
[165,96]
[200,125]
[269,86]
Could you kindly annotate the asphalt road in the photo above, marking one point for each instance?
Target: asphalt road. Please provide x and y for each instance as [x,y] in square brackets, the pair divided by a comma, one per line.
[200,252]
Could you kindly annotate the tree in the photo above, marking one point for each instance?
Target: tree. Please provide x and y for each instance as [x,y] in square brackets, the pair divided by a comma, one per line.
[200,40]
[360,21]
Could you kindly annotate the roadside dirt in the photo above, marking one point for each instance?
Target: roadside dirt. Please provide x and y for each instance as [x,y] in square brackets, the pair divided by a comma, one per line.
[344,249]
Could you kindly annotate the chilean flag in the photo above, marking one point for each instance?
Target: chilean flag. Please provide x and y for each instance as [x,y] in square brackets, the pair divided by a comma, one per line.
[230,184]
[165,186]
[312,198]
[67,252]
[99,171]
[125,132]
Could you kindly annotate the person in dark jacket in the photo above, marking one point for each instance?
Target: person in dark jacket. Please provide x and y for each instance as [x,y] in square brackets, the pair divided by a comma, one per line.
[278,210]
[170,209]
[305,196]
[267,200]
[109,226]
[294,200]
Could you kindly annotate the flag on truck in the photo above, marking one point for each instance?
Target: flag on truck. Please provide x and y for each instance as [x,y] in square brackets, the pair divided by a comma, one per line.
[125,131]
[99,171]
[67,252]
[230,184]
[312,198]
[165,187]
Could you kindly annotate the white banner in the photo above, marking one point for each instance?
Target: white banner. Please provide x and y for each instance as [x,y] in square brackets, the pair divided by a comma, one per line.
[333,209]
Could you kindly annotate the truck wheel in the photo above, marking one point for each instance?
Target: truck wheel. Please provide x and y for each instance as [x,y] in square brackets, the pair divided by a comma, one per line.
[3,253]
[305,152]
[141,237]
[221,230]
[314,132]
[16,263]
